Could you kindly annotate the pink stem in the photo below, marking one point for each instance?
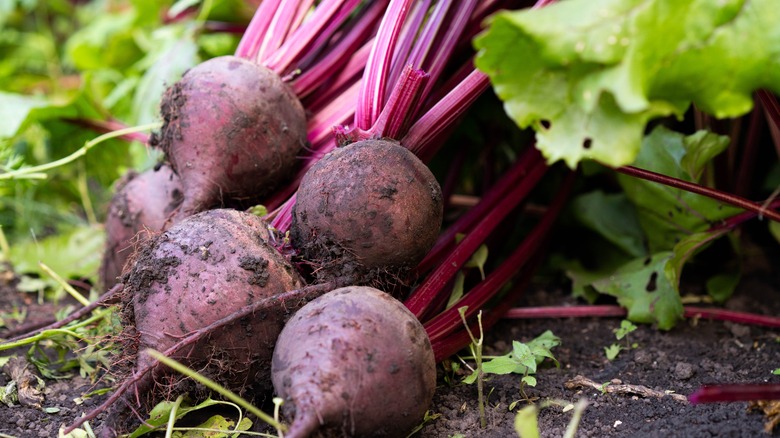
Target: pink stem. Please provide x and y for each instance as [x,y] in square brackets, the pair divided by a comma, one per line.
[406,40]
[255,32]
[277,29]
[347,47]
[440,49]
[395,118]
[347,76]
[301,40]
[372,94]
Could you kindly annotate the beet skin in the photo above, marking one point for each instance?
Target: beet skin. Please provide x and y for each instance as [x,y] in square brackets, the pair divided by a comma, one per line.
[138,210]
[231,130]
[201,270]
[354,361]
[370,210]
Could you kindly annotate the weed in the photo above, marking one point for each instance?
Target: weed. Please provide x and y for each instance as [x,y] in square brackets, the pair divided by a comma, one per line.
[476,351]
[626,327]
[523,359]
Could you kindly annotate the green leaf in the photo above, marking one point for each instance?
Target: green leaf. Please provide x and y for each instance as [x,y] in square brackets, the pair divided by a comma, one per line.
[647,288]
[774,230]
[776,371]
[502,365]
[612,351]
[105,42]
[223,428]
[18,111]
[666,214]
[626,327]
[73,254]
[529,380]
[171,51]
[588,75]
[721,286]
[526,423]
[614,217]
[523,355]
[478,260]
[457,289]
[158,417]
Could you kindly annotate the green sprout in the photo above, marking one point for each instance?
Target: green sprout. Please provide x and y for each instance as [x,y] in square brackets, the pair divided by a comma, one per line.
[523,359]
[626,327]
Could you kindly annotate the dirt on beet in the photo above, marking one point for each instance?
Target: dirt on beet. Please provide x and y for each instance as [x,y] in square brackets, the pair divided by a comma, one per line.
[695,352]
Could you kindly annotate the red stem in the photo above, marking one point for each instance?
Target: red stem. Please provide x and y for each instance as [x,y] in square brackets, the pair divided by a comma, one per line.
[465,223]
[609,310]
[718,195]
[736,392]
[421,299]
[434,125]
[447,321]
[444,347]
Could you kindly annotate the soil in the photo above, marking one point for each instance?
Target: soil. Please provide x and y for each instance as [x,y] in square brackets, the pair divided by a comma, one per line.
[695,352]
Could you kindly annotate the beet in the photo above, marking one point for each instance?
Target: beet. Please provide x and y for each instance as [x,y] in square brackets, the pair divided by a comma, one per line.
[357,361]
[201,270]
[138,209]
[370,210]
[231,130]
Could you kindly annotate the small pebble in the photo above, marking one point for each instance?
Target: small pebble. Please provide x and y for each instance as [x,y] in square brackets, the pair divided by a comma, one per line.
[642,357]
[684,371]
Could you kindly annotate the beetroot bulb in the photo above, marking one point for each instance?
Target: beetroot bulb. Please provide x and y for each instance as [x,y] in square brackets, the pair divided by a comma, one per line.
[231,130]
[354,361]
[201,270]
[138,209]
[370,210]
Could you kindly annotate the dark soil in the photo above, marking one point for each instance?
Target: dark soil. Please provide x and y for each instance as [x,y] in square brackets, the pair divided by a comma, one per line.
[680,360]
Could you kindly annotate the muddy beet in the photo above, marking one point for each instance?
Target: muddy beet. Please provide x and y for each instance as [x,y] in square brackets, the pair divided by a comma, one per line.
[370,210]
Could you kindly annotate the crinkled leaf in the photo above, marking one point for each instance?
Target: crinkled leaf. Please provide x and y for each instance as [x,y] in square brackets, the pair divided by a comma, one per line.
[647,288]
[666,214]
[589,74]
[582,278]
[614,217]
